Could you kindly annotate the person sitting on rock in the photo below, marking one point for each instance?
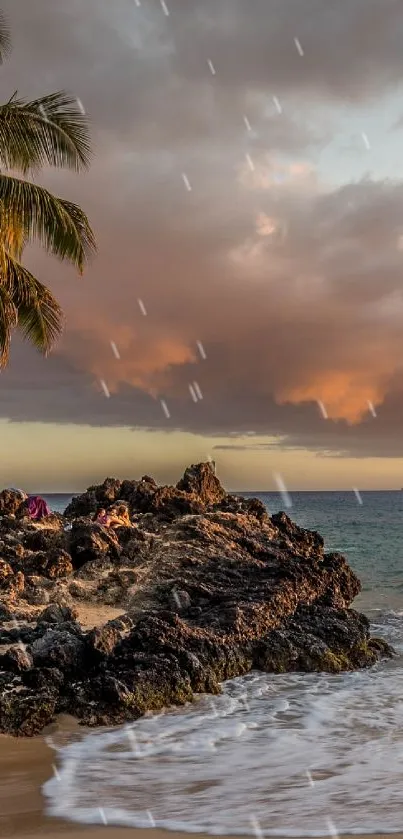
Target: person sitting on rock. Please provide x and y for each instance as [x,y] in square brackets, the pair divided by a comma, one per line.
[102,517]
[120,517]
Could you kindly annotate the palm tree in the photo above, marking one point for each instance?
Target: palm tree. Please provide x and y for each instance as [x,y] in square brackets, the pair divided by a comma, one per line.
[53,131]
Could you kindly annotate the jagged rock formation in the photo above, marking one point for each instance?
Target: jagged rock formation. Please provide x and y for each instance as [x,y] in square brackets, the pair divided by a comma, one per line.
[208,586]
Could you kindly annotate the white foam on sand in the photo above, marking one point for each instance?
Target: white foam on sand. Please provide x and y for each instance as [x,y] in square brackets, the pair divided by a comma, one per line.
[290,752]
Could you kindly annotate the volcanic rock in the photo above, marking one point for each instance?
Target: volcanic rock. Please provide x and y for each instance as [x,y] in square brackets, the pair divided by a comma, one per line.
[203,587]
[90,541]
[11,584]
[61,648]
[57,614]
[201,481]
[11,502]
[16,660]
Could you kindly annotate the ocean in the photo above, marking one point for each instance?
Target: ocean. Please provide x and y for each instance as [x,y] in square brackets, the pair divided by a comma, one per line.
[58,501]
[287,755]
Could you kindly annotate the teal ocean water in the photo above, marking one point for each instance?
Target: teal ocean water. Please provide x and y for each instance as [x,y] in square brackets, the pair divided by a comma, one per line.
[58,501]
[290,755]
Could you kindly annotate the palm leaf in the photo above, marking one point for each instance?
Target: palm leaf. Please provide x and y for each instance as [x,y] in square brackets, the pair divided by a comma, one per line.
[5,40]
[62,227]
[13,237]
[39,315]
[8,320]
[50,130]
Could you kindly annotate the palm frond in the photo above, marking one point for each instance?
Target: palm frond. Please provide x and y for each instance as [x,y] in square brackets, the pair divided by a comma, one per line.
[8,320]
[51,130]
[5,38]
[13,237]
[61,226]
[38,314]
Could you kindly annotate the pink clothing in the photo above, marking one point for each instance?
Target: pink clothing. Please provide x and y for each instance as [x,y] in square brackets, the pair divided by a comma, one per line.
[37,507]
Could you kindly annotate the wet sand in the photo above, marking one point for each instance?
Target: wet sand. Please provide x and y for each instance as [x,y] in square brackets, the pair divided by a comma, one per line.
[24,766]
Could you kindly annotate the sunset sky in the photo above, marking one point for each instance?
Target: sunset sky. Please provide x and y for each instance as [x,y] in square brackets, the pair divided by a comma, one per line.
[247,187]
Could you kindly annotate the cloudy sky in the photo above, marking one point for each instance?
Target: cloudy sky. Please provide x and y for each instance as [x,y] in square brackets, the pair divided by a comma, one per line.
[247,189]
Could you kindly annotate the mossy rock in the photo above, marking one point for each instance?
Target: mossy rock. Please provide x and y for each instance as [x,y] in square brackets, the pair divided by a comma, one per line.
[26,716]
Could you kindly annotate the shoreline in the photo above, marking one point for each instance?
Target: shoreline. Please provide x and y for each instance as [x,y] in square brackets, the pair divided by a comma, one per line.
[26,764]
[98,617]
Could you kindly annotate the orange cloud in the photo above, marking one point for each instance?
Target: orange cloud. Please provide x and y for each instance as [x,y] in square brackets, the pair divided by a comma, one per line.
[147,368]
[344,394]
[146,360]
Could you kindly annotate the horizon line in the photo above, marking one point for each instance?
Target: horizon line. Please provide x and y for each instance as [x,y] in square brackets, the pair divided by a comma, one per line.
[240,491]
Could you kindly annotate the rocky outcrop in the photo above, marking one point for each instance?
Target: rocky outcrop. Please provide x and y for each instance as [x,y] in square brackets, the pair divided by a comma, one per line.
[199,488]
[94,498]
[202,482]
[208,584]
[11,502]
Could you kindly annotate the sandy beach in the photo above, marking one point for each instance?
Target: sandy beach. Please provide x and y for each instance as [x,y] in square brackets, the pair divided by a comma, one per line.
[25,764]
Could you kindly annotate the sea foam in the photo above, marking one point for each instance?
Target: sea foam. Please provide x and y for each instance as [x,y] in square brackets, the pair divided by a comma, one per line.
[290,752]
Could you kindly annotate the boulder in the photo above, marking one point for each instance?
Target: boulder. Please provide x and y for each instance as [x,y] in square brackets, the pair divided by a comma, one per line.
[11,584]
[304,542]
[26,713]
[46,679]
[319,639]
[101,642]
[82,505]
[16,660]
[36,595]
[59,564]
[93,499]
[108,492]
[6,614]
[11,502]
[43,539]
[60,648]
[170,502]
[90,541]
[255,507]
[139,494]
[13,550]
[55,614]
[200,480]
